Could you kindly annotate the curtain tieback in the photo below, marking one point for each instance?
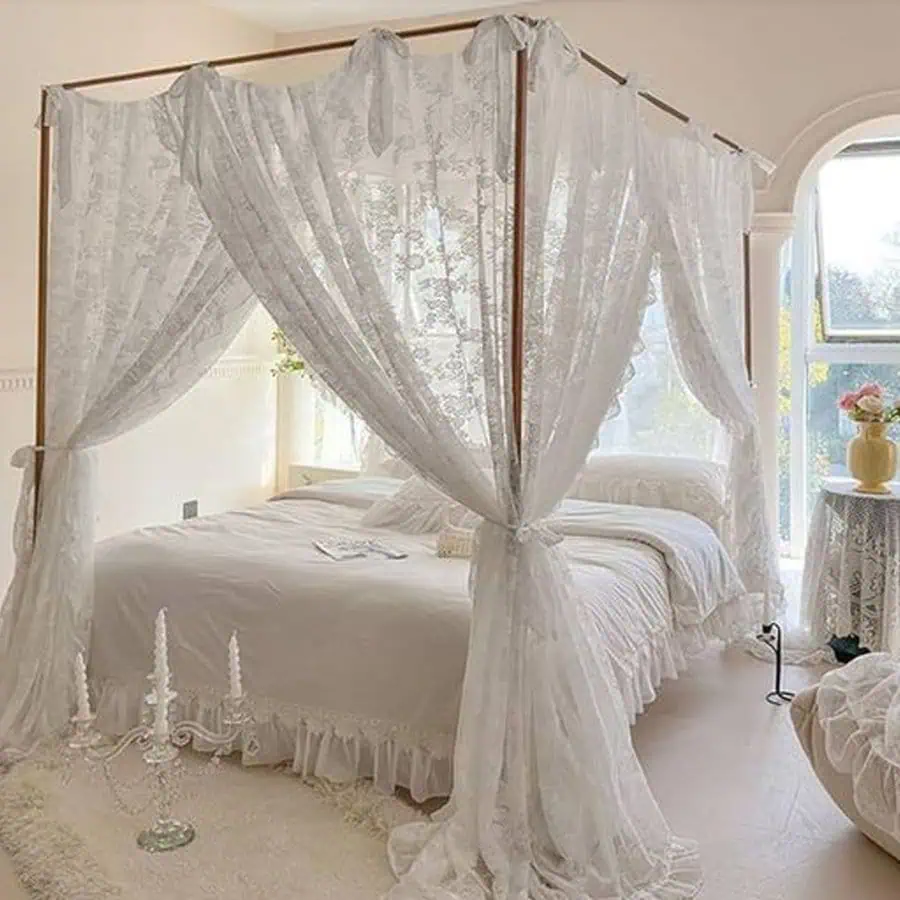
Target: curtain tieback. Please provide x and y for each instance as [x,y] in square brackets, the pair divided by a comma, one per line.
[536,531]
[23,455]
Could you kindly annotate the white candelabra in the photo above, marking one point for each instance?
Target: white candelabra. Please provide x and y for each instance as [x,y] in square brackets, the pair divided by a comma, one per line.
[161,740]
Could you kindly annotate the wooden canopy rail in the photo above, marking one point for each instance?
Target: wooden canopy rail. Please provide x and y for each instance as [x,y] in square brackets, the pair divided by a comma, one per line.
[518,292]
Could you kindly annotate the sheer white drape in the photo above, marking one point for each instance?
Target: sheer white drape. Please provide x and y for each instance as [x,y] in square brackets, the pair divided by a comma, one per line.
[704,197]
[142,302]
[371,213]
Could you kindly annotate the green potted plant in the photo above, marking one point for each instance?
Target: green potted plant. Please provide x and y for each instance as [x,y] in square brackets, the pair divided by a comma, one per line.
[287,361]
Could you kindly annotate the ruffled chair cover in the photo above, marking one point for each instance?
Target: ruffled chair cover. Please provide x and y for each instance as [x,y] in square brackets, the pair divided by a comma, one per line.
[858,708]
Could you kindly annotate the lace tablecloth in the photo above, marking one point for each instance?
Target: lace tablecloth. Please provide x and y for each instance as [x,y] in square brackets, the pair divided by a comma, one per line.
[851,580]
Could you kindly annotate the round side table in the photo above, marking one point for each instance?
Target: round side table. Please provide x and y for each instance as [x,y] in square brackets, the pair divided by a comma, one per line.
[851,576]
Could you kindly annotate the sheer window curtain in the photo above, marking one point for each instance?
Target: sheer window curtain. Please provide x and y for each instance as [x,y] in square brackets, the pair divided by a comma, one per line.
[705,201]
[142,302]
[371,214]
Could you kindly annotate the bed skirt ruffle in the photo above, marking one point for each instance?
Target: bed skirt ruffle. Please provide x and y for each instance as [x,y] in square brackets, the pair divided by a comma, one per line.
[339,747]
[319,744]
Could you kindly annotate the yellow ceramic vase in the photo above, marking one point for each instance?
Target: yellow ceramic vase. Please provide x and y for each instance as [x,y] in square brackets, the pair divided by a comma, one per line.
[872,458]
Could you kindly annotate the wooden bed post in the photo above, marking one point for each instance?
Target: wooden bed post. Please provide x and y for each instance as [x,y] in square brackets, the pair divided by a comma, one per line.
[518,249]
[748,310]
[518,261]
[43,267]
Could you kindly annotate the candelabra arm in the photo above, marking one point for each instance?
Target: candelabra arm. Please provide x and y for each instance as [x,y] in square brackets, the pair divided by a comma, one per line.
[159,740]
[184,732]
[140,735]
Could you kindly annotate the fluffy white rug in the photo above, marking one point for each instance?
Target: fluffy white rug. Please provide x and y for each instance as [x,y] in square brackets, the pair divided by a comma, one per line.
[260,833]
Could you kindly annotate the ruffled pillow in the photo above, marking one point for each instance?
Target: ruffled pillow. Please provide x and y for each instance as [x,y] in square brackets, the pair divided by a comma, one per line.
[695,486]
[417,508]
[849,726]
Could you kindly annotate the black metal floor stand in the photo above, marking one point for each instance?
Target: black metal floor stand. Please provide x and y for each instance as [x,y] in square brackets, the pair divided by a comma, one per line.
[771,637]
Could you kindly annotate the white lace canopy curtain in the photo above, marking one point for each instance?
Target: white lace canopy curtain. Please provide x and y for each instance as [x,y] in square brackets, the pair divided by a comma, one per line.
[142,302]
[704,198]
[371,212]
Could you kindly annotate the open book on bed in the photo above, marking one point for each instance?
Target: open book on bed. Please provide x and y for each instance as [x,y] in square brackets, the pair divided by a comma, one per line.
[344,548]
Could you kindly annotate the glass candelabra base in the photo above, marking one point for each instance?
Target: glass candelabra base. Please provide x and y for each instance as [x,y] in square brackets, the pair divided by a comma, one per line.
[160,744]
[166,835]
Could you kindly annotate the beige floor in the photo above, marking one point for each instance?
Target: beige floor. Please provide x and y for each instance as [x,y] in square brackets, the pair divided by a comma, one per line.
[728,771]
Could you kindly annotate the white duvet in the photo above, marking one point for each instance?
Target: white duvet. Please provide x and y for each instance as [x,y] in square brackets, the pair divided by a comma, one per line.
[377,642]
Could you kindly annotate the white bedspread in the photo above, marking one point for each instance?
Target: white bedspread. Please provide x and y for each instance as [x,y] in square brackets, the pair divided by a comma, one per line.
[365,657]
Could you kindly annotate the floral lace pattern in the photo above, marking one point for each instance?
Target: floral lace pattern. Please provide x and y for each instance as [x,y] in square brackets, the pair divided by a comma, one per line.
[385,259]
[858,707]
[371,212]
[705,196]
[142,302]
[852,577]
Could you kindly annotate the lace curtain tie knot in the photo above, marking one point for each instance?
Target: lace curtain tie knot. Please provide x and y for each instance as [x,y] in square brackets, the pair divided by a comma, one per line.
[536,531]
[23,455]
[371,55]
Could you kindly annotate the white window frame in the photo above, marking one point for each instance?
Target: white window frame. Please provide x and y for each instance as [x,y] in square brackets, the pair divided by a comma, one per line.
[806,349]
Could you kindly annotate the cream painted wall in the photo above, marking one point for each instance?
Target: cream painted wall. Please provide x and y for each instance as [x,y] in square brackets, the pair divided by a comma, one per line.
[217,444]
[780,76]
[783,77]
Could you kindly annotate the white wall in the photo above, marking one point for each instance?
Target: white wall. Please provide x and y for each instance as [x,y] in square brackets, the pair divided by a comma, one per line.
[217,444]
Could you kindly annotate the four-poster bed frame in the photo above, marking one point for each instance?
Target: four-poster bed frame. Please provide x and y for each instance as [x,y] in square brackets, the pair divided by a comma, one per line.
[518,254]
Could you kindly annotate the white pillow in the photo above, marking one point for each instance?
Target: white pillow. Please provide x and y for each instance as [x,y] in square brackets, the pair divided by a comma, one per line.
[417,508]
[695,486]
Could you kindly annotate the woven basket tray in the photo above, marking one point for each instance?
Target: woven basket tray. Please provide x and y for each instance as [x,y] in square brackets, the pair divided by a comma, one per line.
[455,542]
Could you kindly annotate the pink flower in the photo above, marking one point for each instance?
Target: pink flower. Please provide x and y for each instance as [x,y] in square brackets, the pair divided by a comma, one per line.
[848,401]
[870,389]
[871,403]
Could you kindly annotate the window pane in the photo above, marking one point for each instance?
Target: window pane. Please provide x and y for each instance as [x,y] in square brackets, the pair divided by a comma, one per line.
[829,428]
[860,222]
[323,432]
[658,413]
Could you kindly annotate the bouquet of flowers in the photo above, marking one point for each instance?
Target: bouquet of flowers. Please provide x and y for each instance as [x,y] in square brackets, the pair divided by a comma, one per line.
[868,405]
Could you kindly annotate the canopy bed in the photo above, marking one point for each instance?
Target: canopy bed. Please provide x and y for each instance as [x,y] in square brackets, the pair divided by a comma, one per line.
[462,247]
[355,669]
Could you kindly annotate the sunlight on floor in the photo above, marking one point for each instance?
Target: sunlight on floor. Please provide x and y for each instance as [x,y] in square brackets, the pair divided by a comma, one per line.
[792,579]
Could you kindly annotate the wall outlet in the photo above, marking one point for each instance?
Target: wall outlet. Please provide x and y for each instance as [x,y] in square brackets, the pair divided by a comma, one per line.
[190,509]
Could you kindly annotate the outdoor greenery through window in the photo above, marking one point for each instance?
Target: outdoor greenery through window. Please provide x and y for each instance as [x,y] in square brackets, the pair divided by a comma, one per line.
[657,413]
[840,319]
[859,208]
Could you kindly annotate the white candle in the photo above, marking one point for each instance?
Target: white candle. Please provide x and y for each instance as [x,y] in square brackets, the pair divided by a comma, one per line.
[161,679]
[81,685]
[234,667]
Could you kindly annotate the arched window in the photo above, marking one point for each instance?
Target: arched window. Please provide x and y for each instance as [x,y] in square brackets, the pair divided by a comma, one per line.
[840,317]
